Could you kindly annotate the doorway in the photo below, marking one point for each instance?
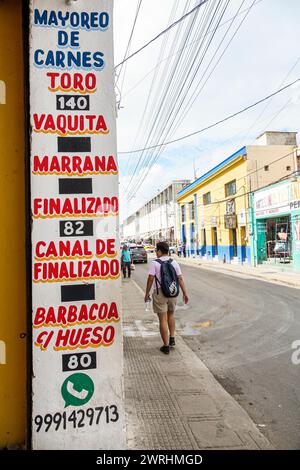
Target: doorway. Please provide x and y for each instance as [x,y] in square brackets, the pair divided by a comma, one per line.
[233,242]
[203,239]
[214,237]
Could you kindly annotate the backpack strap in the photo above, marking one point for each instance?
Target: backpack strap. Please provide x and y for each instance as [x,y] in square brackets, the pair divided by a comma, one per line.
[156,280]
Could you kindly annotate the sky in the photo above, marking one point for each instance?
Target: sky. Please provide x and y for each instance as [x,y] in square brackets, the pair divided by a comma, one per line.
[263,56]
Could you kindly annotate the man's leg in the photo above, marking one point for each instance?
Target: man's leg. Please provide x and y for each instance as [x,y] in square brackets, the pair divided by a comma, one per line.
[163,328]
[171,324]
[124,269]
[171,320]
[129,269]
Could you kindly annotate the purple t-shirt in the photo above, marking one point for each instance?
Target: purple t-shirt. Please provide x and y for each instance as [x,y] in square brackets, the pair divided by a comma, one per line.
[154,269]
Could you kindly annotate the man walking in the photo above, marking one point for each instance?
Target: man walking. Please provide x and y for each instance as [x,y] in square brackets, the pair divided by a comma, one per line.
[126,261]
[164,306]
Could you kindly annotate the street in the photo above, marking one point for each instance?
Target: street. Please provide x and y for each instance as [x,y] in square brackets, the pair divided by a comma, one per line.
[243,330]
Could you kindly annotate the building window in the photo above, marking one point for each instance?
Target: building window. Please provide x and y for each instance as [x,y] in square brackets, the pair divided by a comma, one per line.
[191,210]
[183,213]
[288,168]
[206,199]
[230,188]
[266,168]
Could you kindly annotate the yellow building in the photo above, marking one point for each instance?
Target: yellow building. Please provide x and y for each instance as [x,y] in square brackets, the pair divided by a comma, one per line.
[213,211]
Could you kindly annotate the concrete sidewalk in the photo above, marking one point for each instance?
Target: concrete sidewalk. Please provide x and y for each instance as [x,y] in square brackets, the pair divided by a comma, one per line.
[174,402]
[270,273]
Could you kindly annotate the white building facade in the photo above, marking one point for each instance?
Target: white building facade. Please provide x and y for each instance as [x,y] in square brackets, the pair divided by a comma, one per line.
[156,220]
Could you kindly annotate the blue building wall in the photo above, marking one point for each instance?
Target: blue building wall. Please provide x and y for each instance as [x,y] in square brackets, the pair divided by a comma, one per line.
[225,252]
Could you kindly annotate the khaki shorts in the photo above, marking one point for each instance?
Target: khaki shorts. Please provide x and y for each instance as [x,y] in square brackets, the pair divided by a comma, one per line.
[162,304]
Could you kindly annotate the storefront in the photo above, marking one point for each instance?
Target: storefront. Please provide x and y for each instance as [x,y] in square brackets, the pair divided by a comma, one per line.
[276,224]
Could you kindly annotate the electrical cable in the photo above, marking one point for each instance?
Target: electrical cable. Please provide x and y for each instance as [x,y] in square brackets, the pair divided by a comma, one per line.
[231,116]
[185,83]
[179,50]
[162,32]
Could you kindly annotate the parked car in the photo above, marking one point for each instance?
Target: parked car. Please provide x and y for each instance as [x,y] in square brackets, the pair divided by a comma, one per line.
[132,245]
[139,254]
[173,250]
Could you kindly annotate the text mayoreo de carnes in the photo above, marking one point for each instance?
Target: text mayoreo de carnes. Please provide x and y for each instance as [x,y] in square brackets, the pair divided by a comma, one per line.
[88,21]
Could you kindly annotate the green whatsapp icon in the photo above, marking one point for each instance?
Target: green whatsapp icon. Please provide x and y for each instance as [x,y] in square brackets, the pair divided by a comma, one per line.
[77,390]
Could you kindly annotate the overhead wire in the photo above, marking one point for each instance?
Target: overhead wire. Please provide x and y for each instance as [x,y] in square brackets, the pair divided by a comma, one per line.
[151,88]
[269,102]
[230,116]
[190,104]
[177,104]
[162,93]
[124,64]
[130,90]
[262,168]
[162,33]
[219,201]
[183,83]
[197,93]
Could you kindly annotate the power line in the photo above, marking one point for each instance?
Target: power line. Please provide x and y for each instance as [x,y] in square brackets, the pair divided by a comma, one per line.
[152,87]
[163,32]
[279,180]
[196,94]
[179,50]
[130,37]
[126,53]
[215,123]
[268,104]
[172,83]
[243,177]
[184,81]
[173,118]
[246,176]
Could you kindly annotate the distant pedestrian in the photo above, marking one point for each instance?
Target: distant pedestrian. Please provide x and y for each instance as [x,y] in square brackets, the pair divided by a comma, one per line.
[126,261]
[183,249]
[165,274]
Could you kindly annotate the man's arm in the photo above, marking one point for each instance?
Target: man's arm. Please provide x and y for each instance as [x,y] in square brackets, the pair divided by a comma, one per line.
[148,287]
[182,286]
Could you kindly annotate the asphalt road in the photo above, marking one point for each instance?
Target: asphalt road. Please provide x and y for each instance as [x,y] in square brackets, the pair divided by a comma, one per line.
[243,330]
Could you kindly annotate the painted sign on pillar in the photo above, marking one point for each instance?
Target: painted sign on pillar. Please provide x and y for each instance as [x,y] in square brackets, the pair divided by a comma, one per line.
[77,341]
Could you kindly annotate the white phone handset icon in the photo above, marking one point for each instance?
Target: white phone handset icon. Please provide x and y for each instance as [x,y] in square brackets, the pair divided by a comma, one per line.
[80,395]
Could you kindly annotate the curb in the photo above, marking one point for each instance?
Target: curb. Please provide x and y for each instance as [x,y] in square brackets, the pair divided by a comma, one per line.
[233,272]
